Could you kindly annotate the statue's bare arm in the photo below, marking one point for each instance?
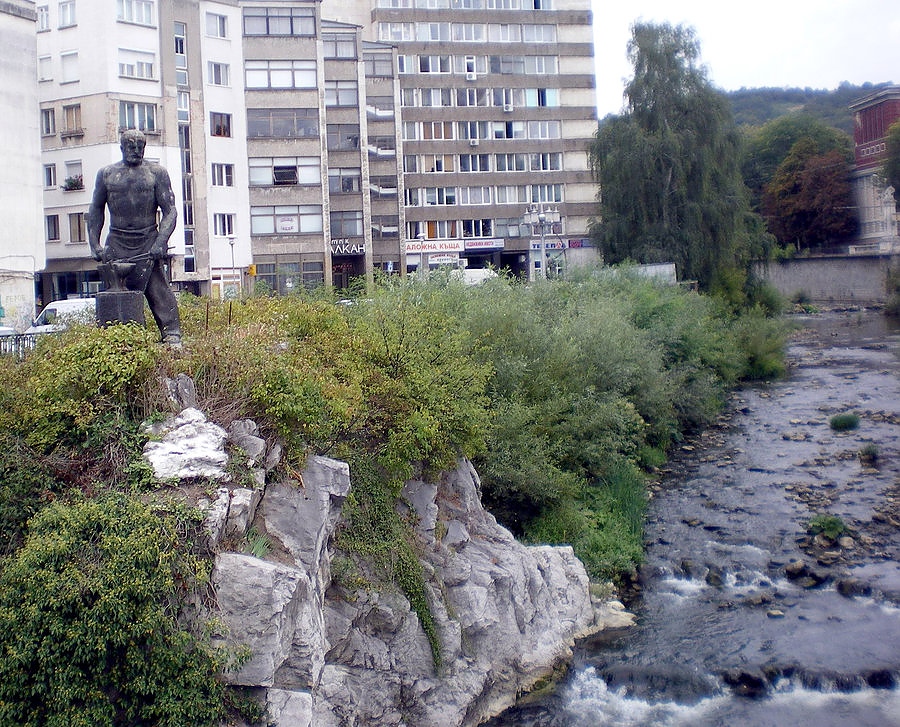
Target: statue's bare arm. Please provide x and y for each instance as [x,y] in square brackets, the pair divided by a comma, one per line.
[165,198]
[97,216]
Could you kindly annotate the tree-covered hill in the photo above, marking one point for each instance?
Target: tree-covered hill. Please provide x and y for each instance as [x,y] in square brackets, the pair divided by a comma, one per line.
[756,106]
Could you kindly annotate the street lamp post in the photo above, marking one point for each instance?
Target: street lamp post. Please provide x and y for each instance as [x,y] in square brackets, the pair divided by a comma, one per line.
[541,218]
[231,242]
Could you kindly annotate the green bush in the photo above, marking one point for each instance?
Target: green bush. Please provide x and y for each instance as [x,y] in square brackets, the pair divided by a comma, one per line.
[88,625]
[831,526]
[844,422]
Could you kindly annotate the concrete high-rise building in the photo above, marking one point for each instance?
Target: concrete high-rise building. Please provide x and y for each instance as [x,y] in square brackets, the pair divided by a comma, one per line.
[498,111]
[21,238]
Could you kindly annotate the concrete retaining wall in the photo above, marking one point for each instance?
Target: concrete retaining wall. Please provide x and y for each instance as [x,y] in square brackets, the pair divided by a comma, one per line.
[837,280]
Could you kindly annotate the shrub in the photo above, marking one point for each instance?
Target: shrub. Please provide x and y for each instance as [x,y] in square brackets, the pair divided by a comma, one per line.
[844,422]
[88,625]
[868,454]
[831,526]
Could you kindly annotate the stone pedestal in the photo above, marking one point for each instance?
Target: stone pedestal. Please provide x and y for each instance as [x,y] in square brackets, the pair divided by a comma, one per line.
[120,306]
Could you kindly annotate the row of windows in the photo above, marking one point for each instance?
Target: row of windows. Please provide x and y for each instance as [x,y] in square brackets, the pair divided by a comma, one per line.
[393,32]
[508,194]
[279,21]
[141,12]
[484,227]
[468,4]
[132,115]
[510,162]
[473,66]
[475,131]
[77,227]
[505,98]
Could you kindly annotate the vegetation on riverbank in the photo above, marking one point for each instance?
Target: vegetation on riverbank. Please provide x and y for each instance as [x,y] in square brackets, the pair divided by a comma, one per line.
[564,393]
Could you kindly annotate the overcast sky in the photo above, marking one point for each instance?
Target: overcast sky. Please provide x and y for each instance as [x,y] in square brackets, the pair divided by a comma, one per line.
[780,43]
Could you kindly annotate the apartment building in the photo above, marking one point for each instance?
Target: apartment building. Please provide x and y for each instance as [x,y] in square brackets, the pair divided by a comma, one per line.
[312,143]
[498,111]
[21,239]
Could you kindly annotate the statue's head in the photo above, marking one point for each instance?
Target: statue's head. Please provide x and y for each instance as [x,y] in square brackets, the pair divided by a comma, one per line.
[132,144]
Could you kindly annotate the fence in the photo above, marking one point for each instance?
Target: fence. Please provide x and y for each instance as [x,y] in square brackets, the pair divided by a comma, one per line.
[17,345]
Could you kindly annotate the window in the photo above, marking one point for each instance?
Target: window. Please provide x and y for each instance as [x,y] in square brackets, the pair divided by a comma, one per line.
[434,64]
[437,97]
[467,32]
[390,32]
[546,193]
[218,74]
[279,21]
[134,115]
[77,229]
[477,228]
[342,137]
[546,162]
[440,195]
[219,124]
[281,171]
[512,194]
[74,176]
[48,122]
[216,25]
[222,175]
[72,119]
[382,147]
[49,176]
[348,223]
[183,106]
[69,62]
[539,33]
[66,13]
[180,38]
[344,180]
[190,262]
[410,163]
[432,31]
[52,224]
[184,147]
[536,97]
[504,32]
[508,130]
[385,227]
[378,66]
[438,163]
[541,65]
[280,74]
[134,64]
[544,130]
[187,192]
[511,163]
[45,68]
[383,186]
[508,227]
[341,93]
[282,123]
[474,163]
[223,224]
[135,11]
[440,229]
[43,18]
[339,45]
[474,195]
[286,219]
[437,129]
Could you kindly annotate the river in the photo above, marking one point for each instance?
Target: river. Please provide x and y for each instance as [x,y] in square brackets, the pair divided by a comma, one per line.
[743,617]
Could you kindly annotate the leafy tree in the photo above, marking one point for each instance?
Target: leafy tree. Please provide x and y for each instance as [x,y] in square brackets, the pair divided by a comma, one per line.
[671,189]
[809,200]
[892,164]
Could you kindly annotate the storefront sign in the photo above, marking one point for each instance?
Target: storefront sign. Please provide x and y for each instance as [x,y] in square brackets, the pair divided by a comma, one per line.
[549,245]
[444,258]
[348,247]
[488,243]
[286,223]
[413,246]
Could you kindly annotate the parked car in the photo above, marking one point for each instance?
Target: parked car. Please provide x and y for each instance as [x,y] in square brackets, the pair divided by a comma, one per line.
[57,315]
[7,331]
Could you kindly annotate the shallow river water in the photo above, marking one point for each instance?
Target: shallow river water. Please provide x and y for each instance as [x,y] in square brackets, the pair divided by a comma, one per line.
[744,619]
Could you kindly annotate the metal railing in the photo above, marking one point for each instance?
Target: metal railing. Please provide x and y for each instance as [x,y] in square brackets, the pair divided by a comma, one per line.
[18,345]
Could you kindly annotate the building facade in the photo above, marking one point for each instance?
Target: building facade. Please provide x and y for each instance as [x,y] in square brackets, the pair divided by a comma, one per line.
[21,238]
[873,116]
[312,142]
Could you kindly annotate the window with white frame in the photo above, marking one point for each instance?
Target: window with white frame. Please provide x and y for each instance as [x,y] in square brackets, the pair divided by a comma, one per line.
[541,65]
[511,163]
[136,64]
[546,162]
[432,31]
[440,229]
[538,97]
[440,195]
[135,11]
[539,33]
[285,171]
[66,13]
[218,73]
[434,64]
[474,130]
[504,32]
[223,224]
[48,122]
[437,130]
[508,129]
[410,163]
[478,228]
[474,163]
[474,195]
[180,41]
[341,93]
[385,227]
[134,115]
[508,226]
[49,176]
[222,175]
[71,119]
[439,163]
[183,106]
[544,130]
[396,31]
[69,67]
[469,32]
[216,25]
[45,68]
[286,219]
[473,96]
[436,97]
[74,175]
[512,194]
[43,18]
[546,193]
[280,74]
[282,123]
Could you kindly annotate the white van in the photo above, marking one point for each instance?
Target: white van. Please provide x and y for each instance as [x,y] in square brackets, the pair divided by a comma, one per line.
[60,313]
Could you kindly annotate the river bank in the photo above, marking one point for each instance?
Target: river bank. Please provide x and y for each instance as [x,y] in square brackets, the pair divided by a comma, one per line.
[745,617]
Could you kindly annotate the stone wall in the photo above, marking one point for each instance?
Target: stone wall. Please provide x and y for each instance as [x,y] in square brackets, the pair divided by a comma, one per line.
[838,280]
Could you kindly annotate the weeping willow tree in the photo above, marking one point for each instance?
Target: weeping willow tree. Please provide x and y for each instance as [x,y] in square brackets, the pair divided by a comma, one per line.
[669,168]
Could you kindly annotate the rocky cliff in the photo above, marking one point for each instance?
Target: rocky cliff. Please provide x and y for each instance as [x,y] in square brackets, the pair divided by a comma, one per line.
[329,655]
